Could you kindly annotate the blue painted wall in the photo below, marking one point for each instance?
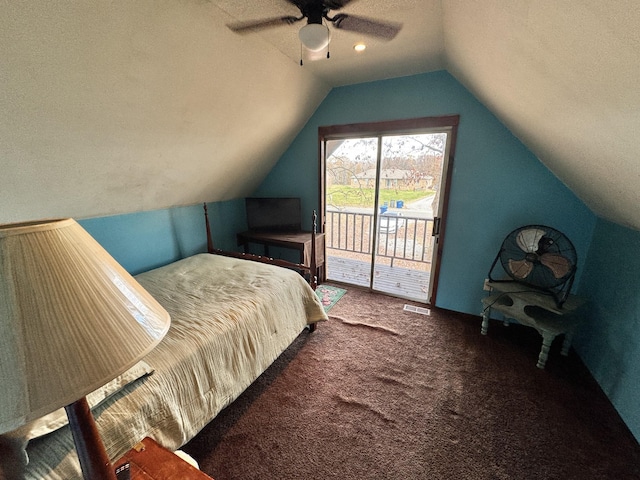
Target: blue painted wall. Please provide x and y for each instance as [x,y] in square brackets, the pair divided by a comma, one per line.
[146,240]
[609,342]
[497,184]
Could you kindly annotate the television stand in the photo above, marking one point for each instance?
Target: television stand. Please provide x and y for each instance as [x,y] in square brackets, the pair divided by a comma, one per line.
[300,241]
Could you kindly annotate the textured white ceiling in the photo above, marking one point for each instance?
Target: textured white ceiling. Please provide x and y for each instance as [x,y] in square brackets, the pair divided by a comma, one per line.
[563,76]
[111,107]
[116,107]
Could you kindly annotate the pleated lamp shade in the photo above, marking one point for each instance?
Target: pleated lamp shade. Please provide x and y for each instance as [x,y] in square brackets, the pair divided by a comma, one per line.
[71,319]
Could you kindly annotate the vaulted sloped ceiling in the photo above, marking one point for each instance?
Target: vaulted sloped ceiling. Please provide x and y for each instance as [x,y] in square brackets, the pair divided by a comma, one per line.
[111,107]
[123,106]
[564,77]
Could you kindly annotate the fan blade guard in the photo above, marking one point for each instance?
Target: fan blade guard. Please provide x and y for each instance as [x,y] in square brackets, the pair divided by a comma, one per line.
[538,256]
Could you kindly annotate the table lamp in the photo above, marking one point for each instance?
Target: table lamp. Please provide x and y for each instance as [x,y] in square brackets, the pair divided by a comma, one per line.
[71,320]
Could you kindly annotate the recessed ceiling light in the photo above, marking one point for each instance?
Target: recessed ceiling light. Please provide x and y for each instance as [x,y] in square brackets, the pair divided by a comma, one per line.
[359,47]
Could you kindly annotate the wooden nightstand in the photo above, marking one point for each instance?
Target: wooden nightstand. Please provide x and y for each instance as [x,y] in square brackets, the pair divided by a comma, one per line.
[150,461]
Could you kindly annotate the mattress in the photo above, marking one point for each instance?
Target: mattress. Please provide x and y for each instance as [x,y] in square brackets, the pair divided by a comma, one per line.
[230,319]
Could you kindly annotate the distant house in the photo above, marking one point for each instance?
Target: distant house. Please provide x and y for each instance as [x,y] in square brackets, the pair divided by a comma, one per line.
[392,178]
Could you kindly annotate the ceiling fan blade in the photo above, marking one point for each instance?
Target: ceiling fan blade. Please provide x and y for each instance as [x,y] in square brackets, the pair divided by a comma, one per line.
[254,25]
[366,26]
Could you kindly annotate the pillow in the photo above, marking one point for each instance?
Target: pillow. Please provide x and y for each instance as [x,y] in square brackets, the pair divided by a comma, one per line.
[55,420]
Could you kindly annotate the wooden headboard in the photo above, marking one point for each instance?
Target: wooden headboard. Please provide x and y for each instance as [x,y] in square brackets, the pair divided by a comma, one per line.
[310,269]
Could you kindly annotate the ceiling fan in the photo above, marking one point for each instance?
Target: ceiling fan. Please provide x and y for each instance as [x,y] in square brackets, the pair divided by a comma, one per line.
[315,35]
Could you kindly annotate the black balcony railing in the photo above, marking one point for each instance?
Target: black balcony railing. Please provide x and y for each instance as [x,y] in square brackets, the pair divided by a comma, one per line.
[400,236]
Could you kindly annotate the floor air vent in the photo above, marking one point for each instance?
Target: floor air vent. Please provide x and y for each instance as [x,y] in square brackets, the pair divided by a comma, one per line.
[414,309]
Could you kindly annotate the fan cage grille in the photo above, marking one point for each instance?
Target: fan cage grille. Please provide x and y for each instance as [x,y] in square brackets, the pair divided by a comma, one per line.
[538,256]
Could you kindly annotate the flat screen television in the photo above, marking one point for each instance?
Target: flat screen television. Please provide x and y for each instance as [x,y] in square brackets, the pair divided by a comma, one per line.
[273,214]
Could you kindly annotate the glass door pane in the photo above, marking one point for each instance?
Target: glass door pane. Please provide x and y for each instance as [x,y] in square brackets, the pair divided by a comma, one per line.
[410,174]
[350,191]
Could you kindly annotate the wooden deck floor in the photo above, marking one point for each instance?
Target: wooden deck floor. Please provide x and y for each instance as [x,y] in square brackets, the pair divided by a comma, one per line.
[398,281]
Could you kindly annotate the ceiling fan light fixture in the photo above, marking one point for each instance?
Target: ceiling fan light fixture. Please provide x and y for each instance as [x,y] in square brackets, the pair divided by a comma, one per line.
[314,36]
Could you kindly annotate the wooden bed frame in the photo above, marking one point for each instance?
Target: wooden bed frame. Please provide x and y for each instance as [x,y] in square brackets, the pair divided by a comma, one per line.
[311,269]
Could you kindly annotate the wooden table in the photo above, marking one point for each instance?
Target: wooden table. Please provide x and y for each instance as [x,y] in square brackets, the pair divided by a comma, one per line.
[300,241]
[535,309]
[150,461]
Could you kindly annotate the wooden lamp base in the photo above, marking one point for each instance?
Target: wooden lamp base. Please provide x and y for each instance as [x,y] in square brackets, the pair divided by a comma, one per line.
[92,455]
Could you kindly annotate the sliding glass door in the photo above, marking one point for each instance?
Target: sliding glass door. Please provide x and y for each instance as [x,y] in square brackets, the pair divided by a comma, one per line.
[384,199]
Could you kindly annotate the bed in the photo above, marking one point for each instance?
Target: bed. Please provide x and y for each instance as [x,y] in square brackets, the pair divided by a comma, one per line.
[230,319]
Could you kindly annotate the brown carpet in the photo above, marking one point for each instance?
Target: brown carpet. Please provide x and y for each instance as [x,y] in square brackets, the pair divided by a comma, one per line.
[379,393]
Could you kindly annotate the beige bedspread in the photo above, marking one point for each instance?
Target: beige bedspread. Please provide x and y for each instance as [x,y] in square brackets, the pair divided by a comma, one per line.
[230,320]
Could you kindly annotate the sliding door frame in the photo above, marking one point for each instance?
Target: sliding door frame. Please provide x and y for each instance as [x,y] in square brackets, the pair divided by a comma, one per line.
[391,127]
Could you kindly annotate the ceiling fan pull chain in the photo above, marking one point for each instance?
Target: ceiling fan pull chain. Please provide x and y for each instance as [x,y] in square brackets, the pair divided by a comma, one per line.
[328,39]
[301,53]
